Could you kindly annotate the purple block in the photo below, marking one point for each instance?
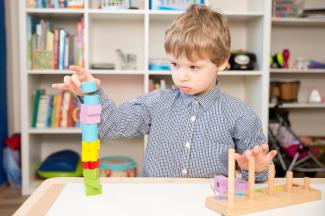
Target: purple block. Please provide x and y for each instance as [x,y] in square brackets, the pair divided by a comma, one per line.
[90,109]
[221,185]
[89,119]
[241,185]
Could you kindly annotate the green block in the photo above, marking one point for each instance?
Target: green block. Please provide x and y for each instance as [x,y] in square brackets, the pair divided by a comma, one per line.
[93,183]
[91,174]
[91,191]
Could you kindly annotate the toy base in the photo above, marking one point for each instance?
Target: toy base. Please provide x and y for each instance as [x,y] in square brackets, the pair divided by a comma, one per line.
[263,201]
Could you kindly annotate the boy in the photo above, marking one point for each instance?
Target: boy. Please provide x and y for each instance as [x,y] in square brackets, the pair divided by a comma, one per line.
[191,126]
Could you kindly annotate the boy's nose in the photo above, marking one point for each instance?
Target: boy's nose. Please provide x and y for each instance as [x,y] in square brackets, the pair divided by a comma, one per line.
[182,75]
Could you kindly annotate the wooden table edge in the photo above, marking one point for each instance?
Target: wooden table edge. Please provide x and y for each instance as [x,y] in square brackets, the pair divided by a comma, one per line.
[46,194]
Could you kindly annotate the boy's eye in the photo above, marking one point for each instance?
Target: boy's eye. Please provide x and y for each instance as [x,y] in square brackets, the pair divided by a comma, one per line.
[173,64]
[194,67]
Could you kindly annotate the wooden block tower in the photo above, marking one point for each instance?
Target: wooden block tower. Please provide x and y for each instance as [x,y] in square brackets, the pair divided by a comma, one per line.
[90,112]
[260,199]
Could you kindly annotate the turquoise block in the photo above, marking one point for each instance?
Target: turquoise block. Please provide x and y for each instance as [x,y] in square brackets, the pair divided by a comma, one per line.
[88,87]
[91,99]
[89,132]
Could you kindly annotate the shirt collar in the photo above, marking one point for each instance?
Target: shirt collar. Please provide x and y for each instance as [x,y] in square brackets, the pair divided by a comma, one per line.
[205,100]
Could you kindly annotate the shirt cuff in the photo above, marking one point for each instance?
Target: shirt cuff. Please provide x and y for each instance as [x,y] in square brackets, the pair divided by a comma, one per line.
[80,99]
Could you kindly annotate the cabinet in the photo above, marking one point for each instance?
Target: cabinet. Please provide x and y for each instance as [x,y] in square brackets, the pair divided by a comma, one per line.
[139,32]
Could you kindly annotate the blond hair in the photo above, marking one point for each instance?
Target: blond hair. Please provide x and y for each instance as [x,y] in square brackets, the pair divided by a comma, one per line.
[198,32]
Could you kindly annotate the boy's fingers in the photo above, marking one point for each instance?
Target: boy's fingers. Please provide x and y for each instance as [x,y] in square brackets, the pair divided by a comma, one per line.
[265,148]
[98,82]
[79,70]
[75,80]
[59,86]
[272,154]
[256,150]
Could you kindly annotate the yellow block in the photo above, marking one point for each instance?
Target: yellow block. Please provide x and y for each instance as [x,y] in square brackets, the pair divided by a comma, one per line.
[89,151]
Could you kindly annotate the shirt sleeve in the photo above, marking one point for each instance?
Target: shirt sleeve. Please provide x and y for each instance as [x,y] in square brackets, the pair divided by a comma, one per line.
[128,119]
[248,133]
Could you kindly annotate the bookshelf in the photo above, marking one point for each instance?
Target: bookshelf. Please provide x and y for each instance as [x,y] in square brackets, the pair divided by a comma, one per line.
[304,38]
[139,32]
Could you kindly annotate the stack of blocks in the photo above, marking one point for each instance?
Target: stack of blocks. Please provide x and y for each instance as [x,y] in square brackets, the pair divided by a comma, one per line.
[89,118]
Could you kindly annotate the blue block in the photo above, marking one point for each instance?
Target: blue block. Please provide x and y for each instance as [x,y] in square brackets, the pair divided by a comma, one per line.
[89,132]
[88,87]
[91,99]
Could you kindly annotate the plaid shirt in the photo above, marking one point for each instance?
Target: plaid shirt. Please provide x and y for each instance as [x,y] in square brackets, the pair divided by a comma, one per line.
[189,136]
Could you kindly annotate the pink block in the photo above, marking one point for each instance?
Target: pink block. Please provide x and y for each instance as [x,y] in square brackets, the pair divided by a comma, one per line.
[221,184]
[90,109]
[89,119]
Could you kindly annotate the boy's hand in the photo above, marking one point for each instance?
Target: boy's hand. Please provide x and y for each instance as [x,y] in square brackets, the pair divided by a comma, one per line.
[262,157]
[72,83]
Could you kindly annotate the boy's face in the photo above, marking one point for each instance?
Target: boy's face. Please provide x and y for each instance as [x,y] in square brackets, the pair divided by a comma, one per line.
[193,78]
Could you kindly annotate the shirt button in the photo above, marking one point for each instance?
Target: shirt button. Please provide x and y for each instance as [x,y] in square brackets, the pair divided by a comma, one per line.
[184,171]
[196,102]
[193,118]
[188,145]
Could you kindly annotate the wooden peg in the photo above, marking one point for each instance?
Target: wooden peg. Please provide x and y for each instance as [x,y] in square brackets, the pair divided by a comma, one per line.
[251,177]
[306,183]
[270,190]
[289,181]
[231,176]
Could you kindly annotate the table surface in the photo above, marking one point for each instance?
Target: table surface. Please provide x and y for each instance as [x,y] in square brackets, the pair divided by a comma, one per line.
[46,194]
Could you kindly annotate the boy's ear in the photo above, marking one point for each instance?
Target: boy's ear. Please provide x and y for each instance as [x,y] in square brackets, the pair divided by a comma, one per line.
[223,65]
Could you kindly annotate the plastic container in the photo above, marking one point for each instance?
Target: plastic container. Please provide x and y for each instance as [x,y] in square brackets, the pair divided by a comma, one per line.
[117,166]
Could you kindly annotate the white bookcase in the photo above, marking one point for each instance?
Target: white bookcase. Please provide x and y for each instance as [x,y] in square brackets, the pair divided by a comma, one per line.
[140,32]
[304,37]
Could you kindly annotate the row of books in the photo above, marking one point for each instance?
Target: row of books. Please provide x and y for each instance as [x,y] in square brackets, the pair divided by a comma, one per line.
[54,48]
[55,3]
[55,111]
[154,85]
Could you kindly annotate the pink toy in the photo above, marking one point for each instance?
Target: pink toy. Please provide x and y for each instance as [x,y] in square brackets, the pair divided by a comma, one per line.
[286,55]
[89,119]
[221,185]
[90,109]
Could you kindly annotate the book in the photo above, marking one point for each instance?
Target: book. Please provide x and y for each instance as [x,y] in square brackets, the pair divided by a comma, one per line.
[38,94]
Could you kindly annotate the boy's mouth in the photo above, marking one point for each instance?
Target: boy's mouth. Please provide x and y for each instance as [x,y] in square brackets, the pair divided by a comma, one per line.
[185,89]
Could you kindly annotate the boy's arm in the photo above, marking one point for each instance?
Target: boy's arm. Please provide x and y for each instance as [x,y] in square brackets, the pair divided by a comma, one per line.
[247,134]
[126,120]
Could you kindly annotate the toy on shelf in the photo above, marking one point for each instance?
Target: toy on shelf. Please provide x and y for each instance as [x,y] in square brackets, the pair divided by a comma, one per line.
[280,60]
[260,199]
[89,118]
[65,163]
[242,60]
[118,166]
[314,96]
[286,55]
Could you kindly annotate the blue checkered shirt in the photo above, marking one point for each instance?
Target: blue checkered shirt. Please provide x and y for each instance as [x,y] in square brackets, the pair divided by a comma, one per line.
[189,136]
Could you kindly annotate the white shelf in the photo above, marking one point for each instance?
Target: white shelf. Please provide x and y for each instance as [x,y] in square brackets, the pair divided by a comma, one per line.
[222,73]
[295,71]
[116,14]
[301,105]
[55,12]
[95,72]
[54,131]
[298,22]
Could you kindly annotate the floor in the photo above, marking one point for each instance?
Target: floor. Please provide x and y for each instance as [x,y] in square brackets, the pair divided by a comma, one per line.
[10,200]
